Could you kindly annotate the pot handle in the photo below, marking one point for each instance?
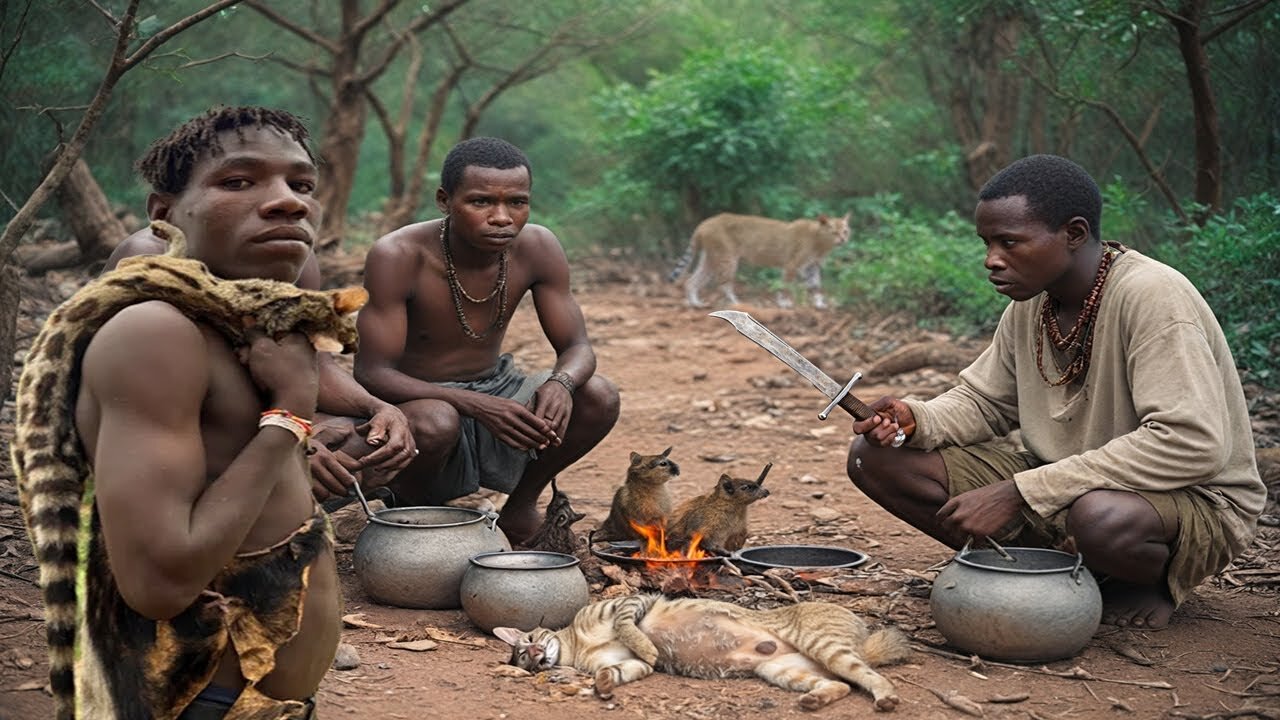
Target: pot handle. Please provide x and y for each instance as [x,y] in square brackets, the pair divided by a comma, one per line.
[360,494]
[994,545]
[492,518]
[1076,571]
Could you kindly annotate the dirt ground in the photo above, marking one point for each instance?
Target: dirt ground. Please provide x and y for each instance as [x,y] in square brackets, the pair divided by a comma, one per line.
[691,382]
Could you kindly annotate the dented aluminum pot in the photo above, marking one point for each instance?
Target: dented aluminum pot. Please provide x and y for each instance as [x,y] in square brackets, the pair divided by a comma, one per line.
[415,557]
[523,589]
[1016,604]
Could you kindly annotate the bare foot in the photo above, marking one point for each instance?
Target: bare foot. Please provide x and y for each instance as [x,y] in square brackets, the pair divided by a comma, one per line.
[484,500]
[1139,606]
[519,523]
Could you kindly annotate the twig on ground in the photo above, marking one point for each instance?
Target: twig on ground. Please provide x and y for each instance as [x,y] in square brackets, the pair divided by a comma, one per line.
[951,698]
[16,576]
[1075,673]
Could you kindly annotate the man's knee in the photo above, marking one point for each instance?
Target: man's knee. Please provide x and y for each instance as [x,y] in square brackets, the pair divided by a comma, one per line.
[435,424]
[599,399]
[1112,521]
[866,464]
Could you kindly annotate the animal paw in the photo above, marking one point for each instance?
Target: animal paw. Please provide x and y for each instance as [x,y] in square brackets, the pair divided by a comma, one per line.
[887,703]
[810,701]
[604,684]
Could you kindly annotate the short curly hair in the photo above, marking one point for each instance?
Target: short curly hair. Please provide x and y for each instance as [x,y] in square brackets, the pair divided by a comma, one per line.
[489,152]
[168,162]
[1056,190]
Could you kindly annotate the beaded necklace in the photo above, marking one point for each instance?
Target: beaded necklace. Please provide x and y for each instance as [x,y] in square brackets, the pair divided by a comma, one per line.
[458,292]
[1080,338]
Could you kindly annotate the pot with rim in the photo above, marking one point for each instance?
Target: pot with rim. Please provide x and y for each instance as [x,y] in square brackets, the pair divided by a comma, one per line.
[1016,604]
[523,589]
[415,557]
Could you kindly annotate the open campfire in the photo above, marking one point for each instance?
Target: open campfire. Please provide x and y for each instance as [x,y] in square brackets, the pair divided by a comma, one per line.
[654,563]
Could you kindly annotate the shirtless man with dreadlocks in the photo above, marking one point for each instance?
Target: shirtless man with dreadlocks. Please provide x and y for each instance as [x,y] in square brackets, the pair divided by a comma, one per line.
[355,432]
[441,293]
[1138,450]
[208,583]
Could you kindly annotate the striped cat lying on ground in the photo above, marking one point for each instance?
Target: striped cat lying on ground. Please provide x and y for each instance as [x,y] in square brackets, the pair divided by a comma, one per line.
[811,647]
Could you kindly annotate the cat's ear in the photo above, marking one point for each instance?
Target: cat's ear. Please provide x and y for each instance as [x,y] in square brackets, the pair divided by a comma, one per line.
[508,635]
[726,483]
[349,300]
[667,451]
[635,459]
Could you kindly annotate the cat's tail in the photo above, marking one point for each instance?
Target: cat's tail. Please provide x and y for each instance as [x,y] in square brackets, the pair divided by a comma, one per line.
[886,646]
[683,263]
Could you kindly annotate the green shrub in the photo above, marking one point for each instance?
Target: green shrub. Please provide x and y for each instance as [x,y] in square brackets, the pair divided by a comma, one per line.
[1234,260]
[928,267]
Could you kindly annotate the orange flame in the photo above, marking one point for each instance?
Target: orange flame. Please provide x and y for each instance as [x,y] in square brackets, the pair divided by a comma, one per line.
[655,546]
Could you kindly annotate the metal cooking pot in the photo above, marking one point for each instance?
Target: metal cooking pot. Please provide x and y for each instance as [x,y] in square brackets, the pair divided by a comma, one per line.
[524,589]
[1016,604]
[415,557]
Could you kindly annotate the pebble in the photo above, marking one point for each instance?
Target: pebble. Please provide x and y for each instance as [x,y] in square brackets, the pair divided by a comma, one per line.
[826,514]
[346,658]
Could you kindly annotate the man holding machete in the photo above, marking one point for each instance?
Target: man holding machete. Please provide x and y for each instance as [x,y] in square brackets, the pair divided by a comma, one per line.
[1139,452]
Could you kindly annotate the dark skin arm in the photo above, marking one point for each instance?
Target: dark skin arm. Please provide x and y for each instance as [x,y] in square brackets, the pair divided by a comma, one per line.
[566,330]
[387,428]
[978,513]
[391,271]
[168,527]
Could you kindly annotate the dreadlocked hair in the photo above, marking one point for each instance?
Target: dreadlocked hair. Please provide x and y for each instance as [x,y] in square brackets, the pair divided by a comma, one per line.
[168,162]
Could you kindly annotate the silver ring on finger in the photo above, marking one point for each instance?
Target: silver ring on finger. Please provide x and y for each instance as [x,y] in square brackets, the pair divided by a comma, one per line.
[899,439]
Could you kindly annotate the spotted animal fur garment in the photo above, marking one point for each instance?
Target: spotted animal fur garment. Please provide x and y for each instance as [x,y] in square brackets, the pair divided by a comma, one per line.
[47,455]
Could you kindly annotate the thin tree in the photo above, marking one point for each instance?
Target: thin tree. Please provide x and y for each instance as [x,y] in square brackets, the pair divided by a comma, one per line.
[349,75]
[571,39]
[121,62]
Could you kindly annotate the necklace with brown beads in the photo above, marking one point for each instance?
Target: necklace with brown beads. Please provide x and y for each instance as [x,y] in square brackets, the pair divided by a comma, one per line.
[1077,344]
[458,292]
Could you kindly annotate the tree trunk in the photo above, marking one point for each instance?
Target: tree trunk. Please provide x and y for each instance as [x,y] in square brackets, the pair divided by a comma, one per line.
[340,151]
[87,212]
[9,298]
[1208,193]
[401,209]
[1003,97]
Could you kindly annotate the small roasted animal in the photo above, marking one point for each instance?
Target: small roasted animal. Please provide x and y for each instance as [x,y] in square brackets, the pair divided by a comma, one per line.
[815,647]
[555,534]
[644,498]
[719,517]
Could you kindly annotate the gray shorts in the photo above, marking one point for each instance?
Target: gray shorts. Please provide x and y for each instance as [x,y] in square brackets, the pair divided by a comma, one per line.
[480,459]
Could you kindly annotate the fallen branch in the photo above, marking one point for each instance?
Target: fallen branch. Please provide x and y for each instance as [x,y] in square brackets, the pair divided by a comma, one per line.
[951,698]
[1075,673]
[16,576]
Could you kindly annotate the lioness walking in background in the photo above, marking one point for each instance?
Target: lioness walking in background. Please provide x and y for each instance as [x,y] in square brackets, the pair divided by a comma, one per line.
[797,247]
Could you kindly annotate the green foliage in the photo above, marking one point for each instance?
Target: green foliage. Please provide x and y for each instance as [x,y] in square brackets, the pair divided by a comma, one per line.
[929,267]
[1234,260]
[740,128]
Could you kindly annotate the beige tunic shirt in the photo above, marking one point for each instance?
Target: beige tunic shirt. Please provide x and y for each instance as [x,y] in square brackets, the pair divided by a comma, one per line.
[1161,407]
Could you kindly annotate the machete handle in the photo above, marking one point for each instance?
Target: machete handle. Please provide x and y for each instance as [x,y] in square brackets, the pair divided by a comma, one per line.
[861,411]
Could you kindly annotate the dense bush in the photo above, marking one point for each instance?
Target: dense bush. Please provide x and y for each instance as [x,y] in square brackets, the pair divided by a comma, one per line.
[1235,262]
[930,268]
